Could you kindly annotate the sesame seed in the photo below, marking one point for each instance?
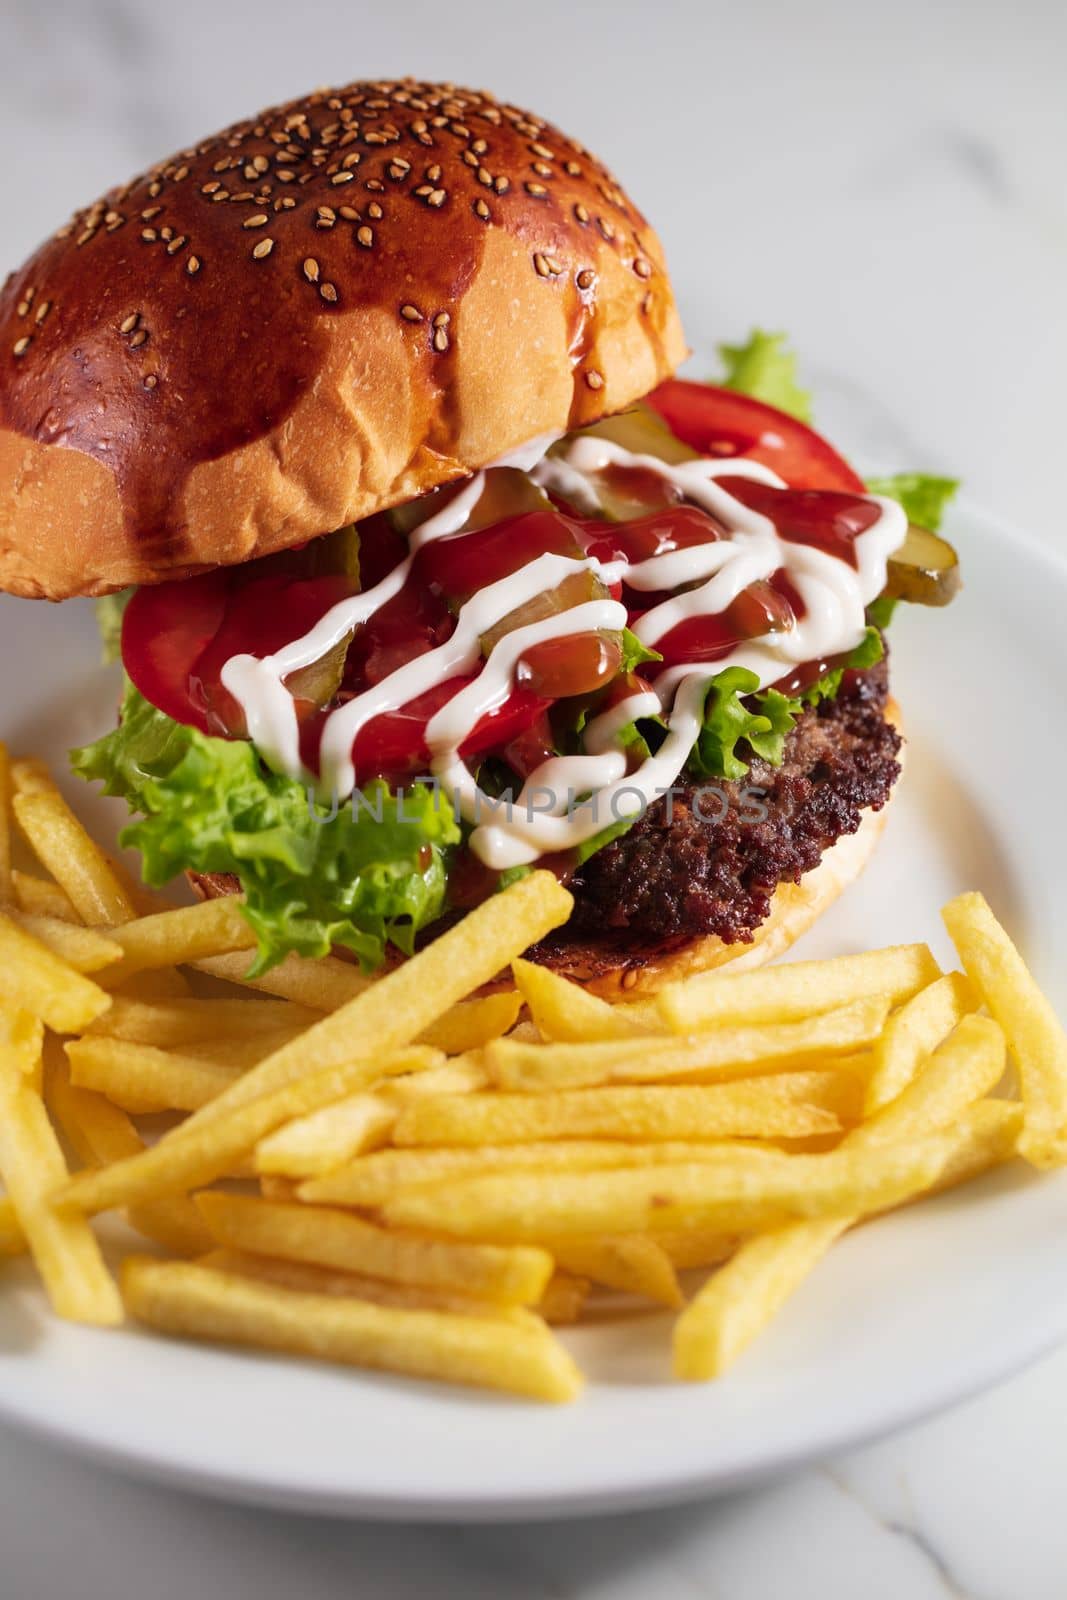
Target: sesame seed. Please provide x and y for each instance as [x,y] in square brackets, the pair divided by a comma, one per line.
[42,311]
[437,198]
[586,278]
[211,188]
[260,220]
[192,266]
[128,324]
[177,244]
[485,177]
[181,174]
[541,169]
[374,210]
[433,174]
[543,151]
[138,339]
[328,291]
[646,303]
[411,313]
[594,380]
[349,213]
[311,270]
[440,341]
[501,185]
[482,210]
[149,235]
[342,177]
[149,212]
[151,381]
[642,268]
[263,249]
[327,213]
[572,169]
[22,345]
[540,264]
[365,237]
[582,214]
[442,319]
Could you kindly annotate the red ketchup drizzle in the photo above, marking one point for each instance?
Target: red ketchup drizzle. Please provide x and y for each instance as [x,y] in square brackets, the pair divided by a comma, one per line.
[178,636]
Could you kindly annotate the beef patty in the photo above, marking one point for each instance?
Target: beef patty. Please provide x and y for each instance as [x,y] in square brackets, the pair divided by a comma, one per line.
[708,858]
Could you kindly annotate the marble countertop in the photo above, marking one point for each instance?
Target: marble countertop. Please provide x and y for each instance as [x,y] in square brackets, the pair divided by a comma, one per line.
[887,184]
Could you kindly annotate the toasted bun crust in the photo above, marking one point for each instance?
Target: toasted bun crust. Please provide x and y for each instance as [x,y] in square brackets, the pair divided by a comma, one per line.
[323,311]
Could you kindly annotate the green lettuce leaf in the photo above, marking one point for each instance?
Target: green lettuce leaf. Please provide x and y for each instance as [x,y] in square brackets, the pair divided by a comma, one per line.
[923,496]
[110,609]
[738,712]
[766,369]
[370,874]
[634,653]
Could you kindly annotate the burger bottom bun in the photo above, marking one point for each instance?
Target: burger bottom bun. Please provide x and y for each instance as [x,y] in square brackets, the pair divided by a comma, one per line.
[617,975]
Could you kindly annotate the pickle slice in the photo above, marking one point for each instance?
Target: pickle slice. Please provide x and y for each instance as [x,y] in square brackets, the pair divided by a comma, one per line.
[622,492]
[507,493]
[925,570]
[643,432]
[576,590]
[319,682]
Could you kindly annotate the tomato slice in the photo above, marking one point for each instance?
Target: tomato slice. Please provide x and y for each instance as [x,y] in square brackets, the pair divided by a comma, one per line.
[165,631]
[718,422]
[395,743]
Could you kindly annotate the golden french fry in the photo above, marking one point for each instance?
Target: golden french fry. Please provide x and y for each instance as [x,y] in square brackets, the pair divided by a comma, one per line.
[564,1010]
[196,1302]
[742,1298]
[326,1139]
[800,989]
[171,1024]
[12,1239]
[471,1023]
[166,983]
[370,1180]
[23,1036]
[564,1299]
[789,1105]
[686,1248]
[401,1005]
[6,885]
[1035,1034]
[198,1152]
[324,985]
[238,1055]
[31,775]
[720,1055]
[81,948]
[185,934]
[141,1078]
[912,1032]
[40,898]
[989,1135]
[77,864]
[307,1278]
[63,1246]
[633,1263]
[35,980]
[515,1274]
[738,1192]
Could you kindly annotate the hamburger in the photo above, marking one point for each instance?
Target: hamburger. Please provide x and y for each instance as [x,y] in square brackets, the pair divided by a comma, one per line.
[360,417]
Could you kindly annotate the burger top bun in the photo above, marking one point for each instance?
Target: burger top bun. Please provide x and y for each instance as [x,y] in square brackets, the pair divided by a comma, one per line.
[323,311]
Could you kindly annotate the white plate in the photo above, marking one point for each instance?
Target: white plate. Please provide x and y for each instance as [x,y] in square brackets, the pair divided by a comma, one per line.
[909,1314]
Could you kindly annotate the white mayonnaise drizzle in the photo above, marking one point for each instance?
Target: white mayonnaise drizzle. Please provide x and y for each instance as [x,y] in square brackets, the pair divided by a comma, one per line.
[570,799]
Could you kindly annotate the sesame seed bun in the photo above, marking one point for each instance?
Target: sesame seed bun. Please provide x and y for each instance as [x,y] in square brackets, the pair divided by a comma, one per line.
[323,311]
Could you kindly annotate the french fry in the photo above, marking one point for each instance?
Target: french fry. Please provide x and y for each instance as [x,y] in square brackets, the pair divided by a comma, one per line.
[739,1300]
[913,1032]
[633,1263]
[77,864]
[565,1011]
[99,1133]
[800,989]
[471,1023]
[400,1006]
[63,1246]
[7,889]
[989,1136]
[35,980]
[740,1191]
[307,1278]
[81,948]
[790,1105]
[38,897]
[720,1055]
[166,983]
[322,986]
[1035,1034]
[171,1024]
[516,1275]
[141,1078]
[198,1152]
[238,1055]
[371,1180]
[12,1239]
[687,1248]
[31,775]
[564,1299]
[326,1139]
[192,1301]
[23,1036]
[185,934]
